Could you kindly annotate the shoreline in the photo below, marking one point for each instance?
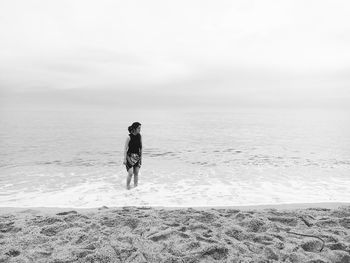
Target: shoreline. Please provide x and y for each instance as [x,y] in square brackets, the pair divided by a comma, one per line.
[289,206]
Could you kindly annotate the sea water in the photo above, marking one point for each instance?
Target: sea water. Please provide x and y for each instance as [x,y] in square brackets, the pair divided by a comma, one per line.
[191,157]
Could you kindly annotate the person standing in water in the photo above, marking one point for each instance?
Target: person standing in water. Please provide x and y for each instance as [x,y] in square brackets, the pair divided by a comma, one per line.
[133,153]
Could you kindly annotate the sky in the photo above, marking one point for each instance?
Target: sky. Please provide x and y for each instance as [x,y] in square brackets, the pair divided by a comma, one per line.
[179,53]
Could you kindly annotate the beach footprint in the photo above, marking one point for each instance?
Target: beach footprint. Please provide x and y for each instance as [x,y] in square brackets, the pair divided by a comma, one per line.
[13,252]
[167,234]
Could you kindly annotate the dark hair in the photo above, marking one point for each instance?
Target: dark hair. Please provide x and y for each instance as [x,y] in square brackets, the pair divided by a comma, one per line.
[134,126]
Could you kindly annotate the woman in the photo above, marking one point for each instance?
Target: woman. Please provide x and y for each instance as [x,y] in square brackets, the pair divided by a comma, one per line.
[133,153]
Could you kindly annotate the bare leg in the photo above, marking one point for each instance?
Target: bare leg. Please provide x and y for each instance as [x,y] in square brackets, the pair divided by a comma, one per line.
[136,175]
[128,179]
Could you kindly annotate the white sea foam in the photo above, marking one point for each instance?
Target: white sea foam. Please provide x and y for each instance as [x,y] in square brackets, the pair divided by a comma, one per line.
[184,192]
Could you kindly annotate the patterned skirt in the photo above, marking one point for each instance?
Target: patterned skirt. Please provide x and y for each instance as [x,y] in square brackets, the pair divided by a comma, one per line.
[132,160]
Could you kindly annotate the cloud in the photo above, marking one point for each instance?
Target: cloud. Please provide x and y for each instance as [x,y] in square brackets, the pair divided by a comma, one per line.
[195,51]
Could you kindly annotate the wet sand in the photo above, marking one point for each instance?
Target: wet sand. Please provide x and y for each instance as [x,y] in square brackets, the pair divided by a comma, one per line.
[275,233]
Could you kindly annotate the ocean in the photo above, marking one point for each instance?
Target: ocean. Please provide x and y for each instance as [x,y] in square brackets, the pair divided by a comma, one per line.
[191,157]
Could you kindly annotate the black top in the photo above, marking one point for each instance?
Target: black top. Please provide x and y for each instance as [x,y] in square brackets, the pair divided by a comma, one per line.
[135,144]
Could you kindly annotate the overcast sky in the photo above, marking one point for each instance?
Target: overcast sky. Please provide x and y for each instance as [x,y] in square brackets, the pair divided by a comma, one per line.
[157,53]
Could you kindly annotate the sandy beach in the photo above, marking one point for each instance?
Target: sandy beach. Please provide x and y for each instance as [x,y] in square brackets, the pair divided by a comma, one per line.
[288,233]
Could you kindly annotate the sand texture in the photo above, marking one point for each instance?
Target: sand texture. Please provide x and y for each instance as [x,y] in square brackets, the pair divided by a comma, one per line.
[141,234]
